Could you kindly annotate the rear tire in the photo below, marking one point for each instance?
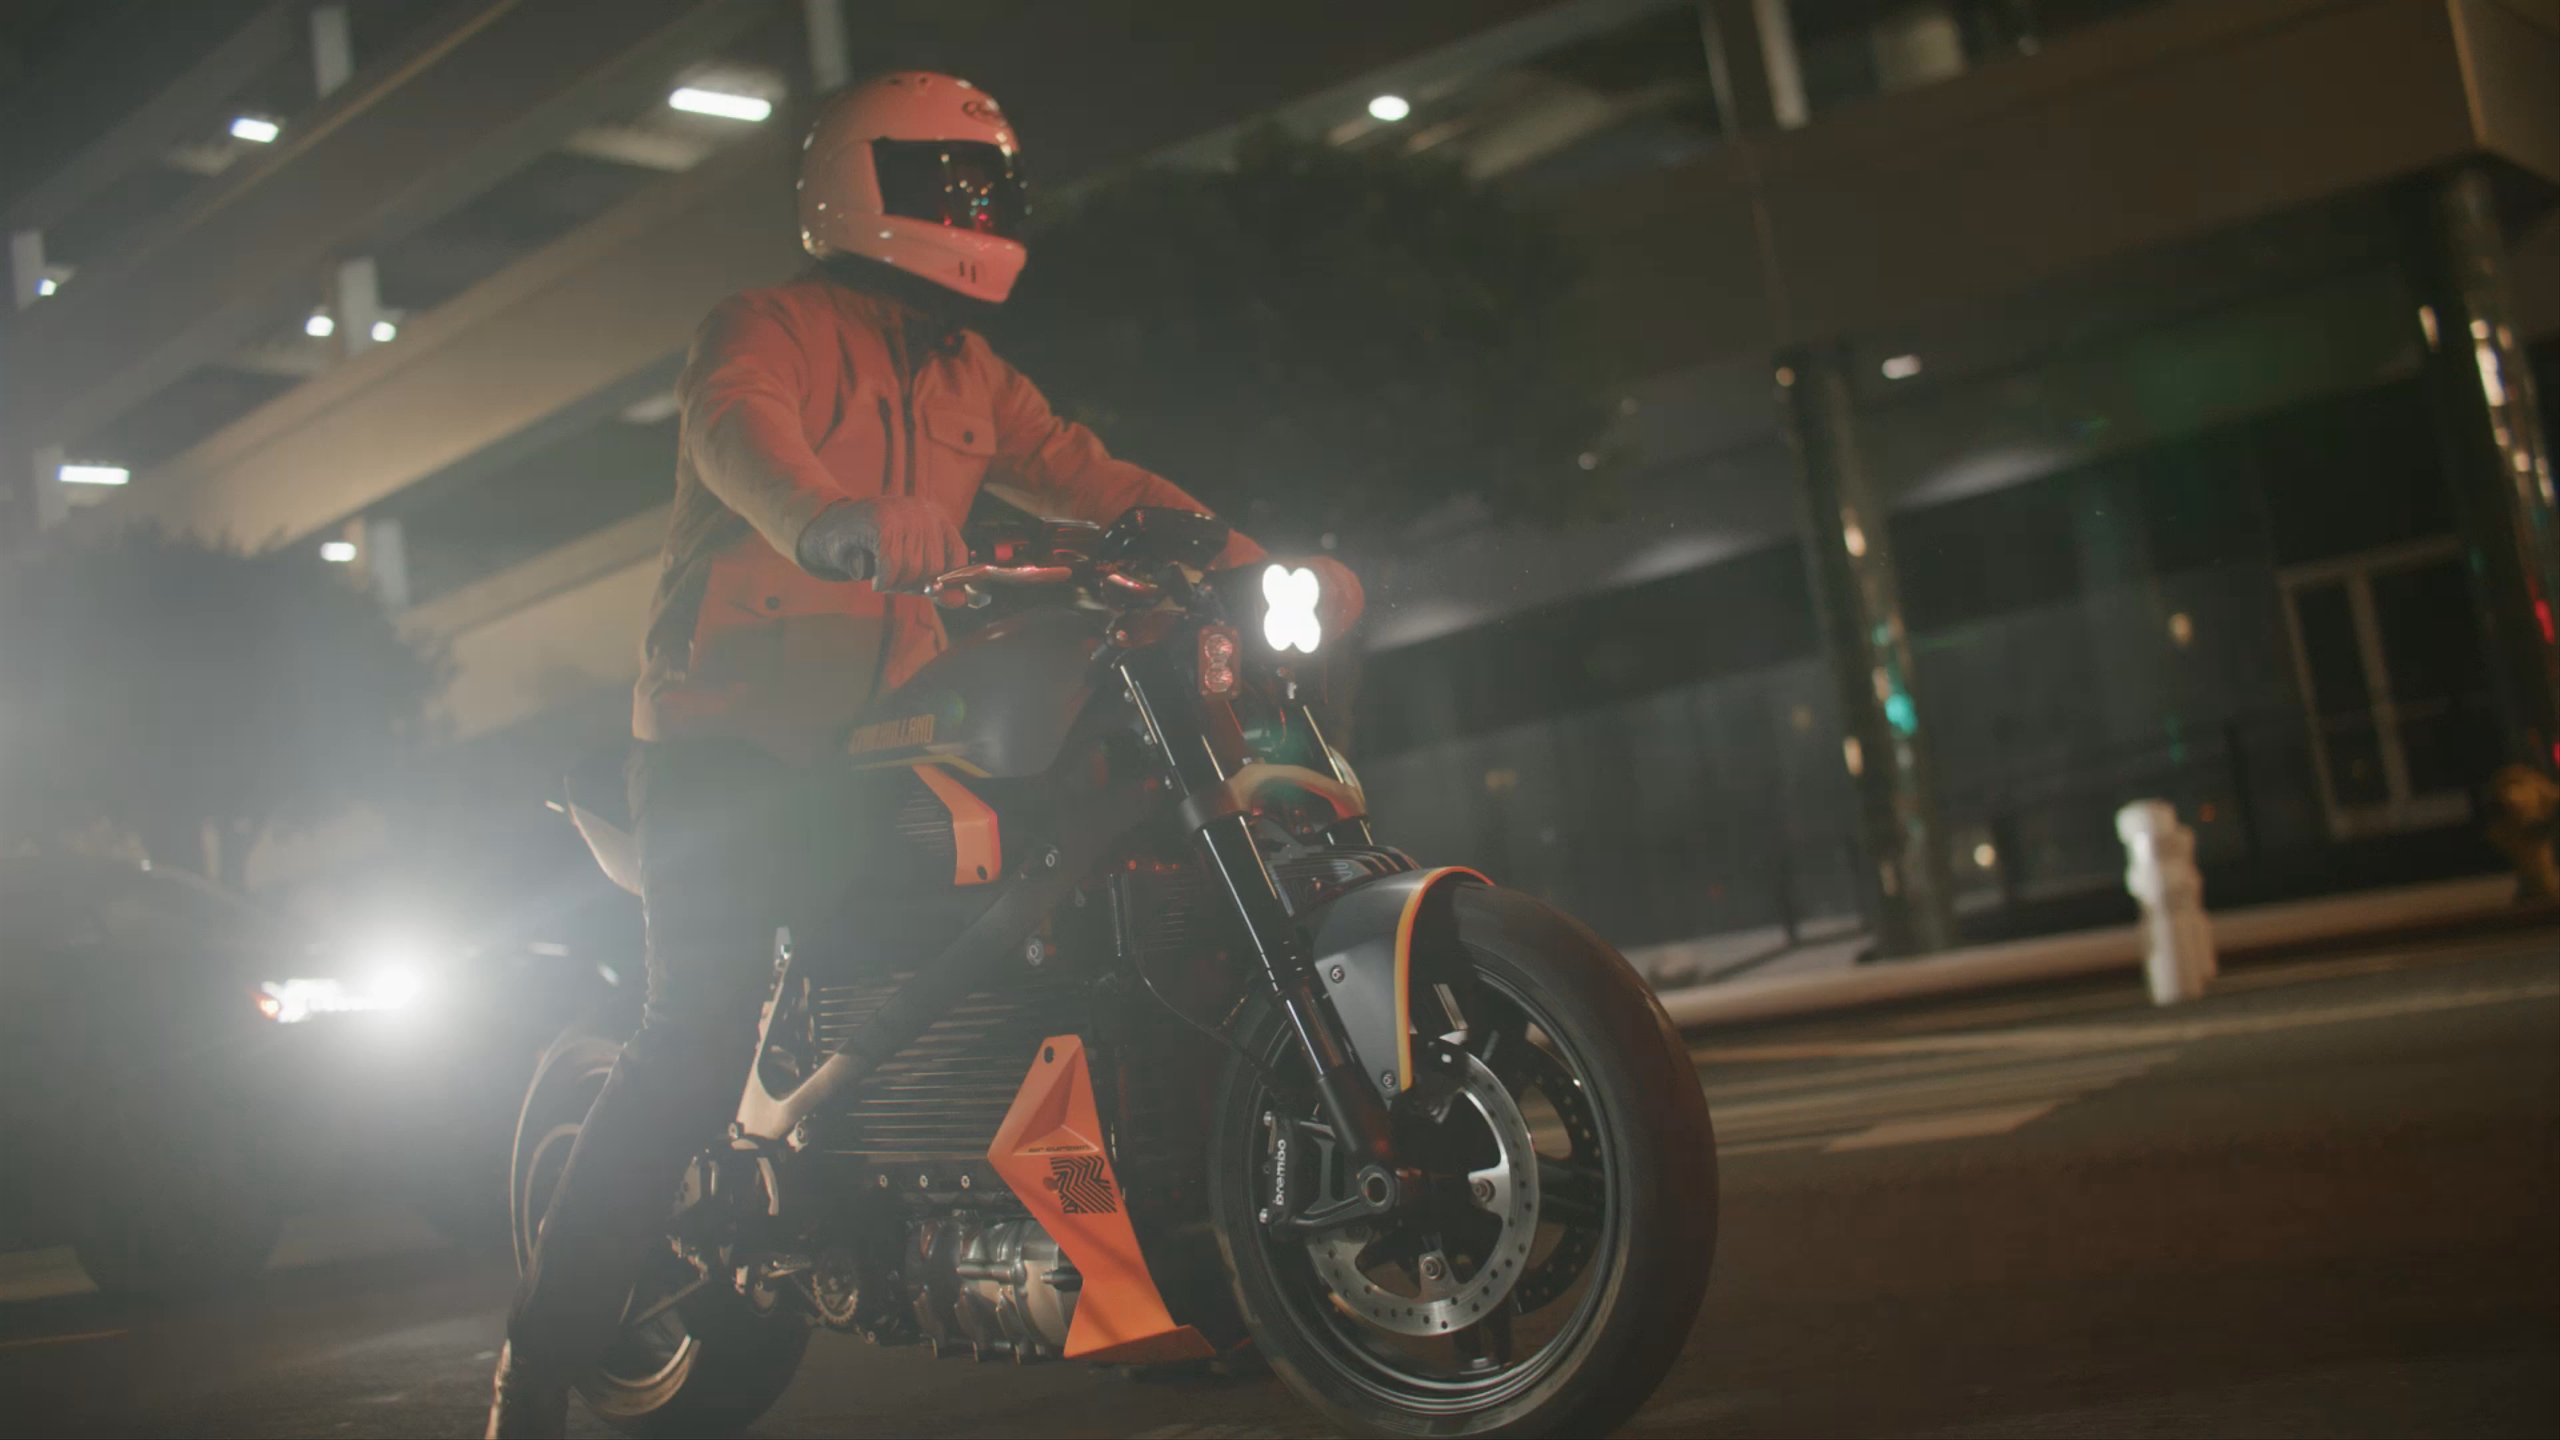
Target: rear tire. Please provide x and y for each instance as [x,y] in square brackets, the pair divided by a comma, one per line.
[710,1365]
[1645,1273]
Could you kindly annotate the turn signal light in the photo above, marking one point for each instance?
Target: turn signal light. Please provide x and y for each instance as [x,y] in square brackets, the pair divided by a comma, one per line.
[1217,660]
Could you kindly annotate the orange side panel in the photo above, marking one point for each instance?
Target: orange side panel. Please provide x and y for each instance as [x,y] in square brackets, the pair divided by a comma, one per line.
[1050,1153]
[976,842]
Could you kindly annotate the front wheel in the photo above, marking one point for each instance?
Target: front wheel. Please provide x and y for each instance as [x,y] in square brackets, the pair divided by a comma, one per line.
[1549,1275]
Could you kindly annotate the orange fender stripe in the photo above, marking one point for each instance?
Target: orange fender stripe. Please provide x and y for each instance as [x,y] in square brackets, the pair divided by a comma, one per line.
[1404,963]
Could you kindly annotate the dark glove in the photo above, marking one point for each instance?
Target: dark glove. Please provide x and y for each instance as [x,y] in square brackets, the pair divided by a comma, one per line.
[897,542]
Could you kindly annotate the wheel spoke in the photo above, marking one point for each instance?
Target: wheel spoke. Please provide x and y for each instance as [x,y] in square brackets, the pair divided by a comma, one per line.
[1570,1194]
[1487,1344]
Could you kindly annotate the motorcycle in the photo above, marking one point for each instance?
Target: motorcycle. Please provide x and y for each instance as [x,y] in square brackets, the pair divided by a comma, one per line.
[1163,1057]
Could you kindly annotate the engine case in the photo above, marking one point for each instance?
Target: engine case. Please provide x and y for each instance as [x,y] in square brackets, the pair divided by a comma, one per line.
[991,1288]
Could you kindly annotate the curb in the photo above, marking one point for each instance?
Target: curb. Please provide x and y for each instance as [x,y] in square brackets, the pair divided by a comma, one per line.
[2088,952]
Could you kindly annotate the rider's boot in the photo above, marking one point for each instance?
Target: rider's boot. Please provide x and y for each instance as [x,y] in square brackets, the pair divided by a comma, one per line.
[525,1403]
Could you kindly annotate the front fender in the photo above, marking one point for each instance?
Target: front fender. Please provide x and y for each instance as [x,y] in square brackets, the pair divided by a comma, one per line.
[1363,943]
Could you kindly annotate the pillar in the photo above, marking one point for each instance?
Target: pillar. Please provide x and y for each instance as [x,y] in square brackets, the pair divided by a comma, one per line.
[355,295]
[2489,432]
[1857,600]
[830,58]
[1752,64]
[333,49]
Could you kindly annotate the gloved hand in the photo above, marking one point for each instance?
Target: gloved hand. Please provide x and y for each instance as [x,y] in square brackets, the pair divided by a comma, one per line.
[897,542]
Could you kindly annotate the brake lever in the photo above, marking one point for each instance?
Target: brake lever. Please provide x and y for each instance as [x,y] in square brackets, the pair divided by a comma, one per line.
[971,582]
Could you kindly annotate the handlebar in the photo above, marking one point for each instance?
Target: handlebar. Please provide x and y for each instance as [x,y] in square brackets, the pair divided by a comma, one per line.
[971,582]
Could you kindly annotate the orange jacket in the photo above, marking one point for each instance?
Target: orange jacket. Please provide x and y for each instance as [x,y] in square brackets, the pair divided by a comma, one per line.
[796,397]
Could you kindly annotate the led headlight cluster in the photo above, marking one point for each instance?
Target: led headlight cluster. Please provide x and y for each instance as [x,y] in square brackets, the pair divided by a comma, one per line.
[1290,621]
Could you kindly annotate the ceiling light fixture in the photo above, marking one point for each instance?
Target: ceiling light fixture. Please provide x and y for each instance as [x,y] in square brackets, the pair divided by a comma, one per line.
[722,104]
[1390,108]
[255,130]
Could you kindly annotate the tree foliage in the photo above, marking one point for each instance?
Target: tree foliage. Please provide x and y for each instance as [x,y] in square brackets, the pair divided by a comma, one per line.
[159,687]
[1319,339]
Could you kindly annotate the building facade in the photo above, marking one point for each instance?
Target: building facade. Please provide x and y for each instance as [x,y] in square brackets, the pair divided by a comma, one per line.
[2028,405]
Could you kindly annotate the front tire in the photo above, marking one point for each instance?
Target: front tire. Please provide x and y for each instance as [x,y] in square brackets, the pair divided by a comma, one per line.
[705,1365]
[1440,1324]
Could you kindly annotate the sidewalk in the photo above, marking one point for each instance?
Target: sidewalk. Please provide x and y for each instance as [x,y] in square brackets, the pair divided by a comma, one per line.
[1832,980]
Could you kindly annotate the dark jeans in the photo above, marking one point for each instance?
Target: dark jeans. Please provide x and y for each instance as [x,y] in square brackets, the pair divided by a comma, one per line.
[733,843]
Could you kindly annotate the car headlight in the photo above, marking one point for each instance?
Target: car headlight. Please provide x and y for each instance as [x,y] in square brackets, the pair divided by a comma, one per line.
[289,1002]
[1289,622]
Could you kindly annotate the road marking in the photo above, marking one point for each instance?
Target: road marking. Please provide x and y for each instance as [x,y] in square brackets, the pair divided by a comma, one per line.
[33,1342]
[2112,1037]
[1821,1106]
[1965,1125]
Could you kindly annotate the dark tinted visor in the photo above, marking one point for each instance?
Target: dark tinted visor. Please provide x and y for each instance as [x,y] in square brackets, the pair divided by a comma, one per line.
[966,184]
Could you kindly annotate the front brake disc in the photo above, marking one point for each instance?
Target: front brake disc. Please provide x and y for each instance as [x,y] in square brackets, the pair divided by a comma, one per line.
[1444,1300]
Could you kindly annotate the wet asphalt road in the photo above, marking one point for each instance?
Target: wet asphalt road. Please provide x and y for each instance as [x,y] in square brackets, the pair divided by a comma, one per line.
[2324,1202]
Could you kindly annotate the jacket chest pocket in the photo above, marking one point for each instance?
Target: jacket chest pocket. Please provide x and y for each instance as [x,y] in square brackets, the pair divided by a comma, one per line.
[954,443]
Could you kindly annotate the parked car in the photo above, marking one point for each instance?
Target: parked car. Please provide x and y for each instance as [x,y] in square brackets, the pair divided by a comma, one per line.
[180,1069]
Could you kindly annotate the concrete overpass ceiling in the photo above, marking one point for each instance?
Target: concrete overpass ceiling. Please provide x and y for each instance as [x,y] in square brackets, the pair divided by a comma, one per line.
[551,193]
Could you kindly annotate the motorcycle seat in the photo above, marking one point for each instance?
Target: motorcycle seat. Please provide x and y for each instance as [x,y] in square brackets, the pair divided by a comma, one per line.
[598,802]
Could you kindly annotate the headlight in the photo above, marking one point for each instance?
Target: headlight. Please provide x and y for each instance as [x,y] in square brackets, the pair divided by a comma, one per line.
[1289,618]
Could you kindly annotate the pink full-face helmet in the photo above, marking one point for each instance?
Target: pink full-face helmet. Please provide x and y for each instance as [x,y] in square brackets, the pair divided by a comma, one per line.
[917,170]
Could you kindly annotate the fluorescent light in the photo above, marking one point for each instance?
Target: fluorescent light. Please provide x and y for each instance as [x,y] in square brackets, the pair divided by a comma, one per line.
[1902,367]
[338,552]
[384,332]
[319,326]
[93,474]
[721,103]
[255,130]
[46,286]
[1390,108]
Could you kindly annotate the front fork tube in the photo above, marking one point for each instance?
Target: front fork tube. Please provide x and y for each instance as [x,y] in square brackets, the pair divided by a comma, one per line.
[1344,1088]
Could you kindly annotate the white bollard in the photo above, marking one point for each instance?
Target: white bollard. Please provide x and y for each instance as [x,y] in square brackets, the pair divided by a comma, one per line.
[2160,871]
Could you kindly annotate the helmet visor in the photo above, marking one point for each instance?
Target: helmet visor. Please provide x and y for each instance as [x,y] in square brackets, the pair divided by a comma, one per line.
[965,184]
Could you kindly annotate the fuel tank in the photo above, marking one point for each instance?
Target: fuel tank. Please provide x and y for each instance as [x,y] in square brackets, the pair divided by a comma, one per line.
[999,703]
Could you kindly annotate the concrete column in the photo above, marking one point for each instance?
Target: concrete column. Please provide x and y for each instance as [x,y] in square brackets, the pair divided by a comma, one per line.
[355,297]
[45,475]
[2495,454]
[1751,62]
[26,267]
[1857,600]
[830,58]
[385,552]
[333,49]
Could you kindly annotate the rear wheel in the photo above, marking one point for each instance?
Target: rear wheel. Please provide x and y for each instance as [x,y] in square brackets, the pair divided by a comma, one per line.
[1550,1274]
[692,1358]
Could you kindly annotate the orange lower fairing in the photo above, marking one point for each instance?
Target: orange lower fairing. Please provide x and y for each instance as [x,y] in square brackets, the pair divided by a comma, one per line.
[1050,1153]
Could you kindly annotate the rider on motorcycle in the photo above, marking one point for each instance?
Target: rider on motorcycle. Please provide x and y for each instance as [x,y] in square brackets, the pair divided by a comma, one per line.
[835,428]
